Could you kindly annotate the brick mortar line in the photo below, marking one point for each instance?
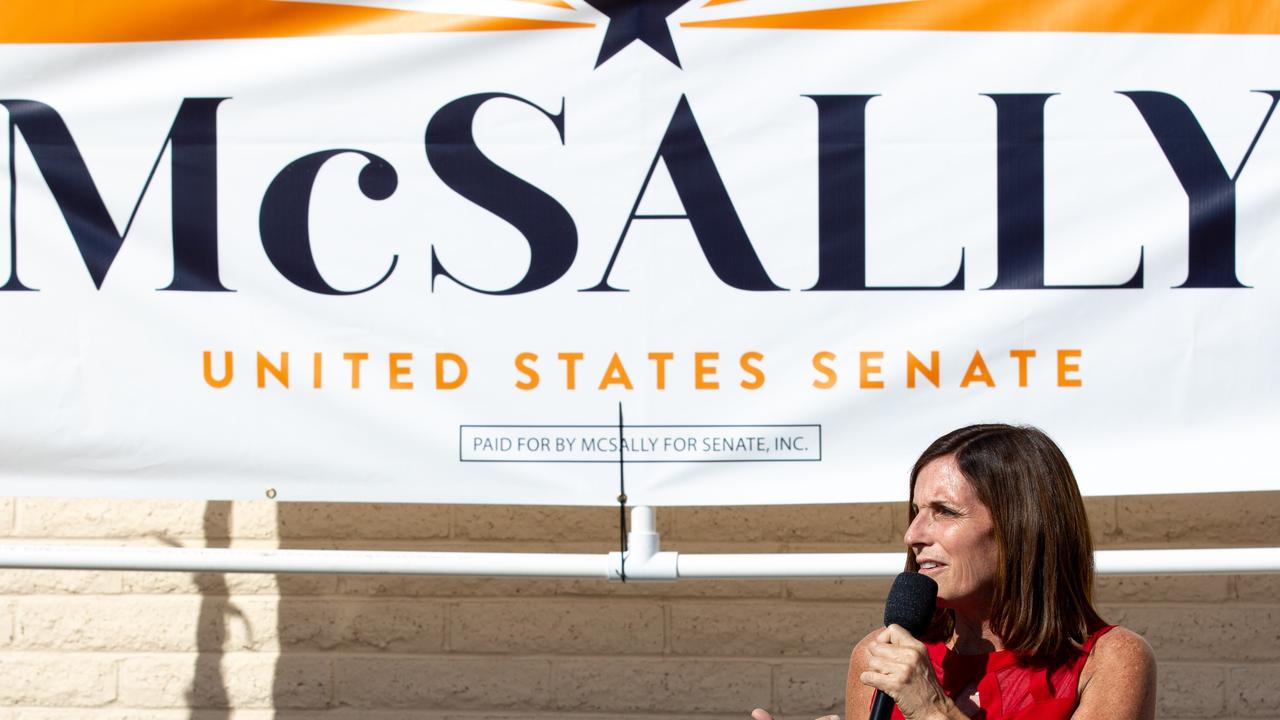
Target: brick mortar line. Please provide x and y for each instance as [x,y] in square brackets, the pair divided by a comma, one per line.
[357,652]
[1220,663]
[773,687]
[108,543]
[566,599]
[115,673]
[131,543]
[71,593]
[332,699]
[1201,604]
[667,634]
[318,542]
[449,614]
[572,548]
[329,654]
[346,709]
[772,660]
[354,599]
[364,599]
[489,714]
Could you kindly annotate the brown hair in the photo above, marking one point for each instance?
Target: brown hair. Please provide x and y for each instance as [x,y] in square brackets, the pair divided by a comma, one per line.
[1042,606]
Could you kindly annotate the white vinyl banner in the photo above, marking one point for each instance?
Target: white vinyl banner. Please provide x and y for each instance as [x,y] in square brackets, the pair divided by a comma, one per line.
[389,251]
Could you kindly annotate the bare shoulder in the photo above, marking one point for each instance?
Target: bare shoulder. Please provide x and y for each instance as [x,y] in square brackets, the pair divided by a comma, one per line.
[860,650]
[1119,678]
[1120,651]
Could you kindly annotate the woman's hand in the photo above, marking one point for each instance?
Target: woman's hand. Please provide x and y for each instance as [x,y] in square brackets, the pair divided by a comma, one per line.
[898,664]
[761,714]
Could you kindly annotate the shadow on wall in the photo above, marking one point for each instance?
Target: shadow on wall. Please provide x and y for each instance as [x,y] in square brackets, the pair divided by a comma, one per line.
[208,687]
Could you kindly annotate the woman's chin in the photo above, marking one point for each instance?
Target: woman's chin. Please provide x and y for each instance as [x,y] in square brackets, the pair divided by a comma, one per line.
[964,603]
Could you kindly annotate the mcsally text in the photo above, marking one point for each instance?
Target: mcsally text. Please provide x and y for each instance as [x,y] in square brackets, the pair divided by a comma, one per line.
[550,231]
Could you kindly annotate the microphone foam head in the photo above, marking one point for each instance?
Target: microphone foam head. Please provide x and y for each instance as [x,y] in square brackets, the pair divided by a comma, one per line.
[910,603]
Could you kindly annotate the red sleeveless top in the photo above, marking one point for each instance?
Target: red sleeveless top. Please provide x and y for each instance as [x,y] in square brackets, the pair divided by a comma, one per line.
[1007,690]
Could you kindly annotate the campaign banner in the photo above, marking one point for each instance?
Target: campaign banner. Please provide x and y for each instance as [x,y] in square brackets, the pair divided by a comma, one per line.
[737,251]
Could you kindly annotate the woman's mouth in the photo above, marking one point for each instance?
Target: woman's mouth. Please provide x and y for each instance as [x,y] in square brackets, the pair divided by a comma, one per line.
[929,567]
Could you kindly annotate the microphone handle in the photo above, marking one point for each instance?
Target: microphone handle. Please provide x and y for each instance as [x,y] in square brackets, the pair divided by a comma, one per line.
[881,706]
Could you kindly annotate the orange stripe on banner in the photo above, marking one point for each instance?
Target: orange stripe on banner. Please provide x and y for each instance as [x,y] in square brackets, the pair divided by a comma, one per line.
[1226,17]
[552,3]
[91,21]
[713,3]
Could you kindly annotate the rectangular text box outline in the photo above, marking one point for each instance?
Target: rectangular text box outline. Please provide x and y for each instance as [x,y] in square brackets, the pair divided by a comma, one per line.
[614,461]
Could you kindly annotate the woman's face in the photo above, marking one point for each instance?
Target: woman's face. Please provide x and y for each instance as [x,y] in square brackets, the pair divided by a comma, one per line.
[952,537]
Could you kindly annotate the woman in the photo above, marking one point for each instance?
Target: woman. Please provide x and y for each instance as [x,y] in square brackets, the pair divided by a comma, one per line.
[997,520]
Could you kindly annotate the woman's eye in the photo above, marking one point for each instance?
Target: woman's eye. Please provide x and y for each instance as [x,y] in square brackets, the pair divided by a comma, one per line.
[947,512]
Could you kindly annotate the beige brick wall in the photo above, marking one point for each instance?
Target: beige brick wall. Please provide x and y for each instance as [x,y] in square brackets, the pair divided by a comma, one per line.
[170,646]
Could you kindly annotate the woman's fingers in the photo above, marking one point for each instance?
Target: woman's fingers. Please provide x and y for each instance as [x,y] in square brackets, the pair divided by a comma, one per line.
[907,655]
[889,666]
[896,635]
[891,684]
[874,679]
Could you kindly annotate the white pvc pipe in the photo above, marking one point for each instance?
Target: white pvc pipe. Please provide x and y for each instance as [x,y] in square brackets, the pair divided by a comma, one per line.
[1162,562]
[666,565]
[344,562]
[790,565]
[1107,562]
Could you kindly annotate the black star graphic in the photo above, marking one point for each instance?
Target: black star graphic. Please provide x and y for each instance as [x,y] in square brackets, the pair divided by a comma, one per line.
[643,20]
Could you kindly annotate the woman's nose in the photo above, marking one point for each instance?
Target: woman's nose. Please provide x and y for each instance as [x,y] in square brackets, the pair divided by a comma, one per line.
[917,532]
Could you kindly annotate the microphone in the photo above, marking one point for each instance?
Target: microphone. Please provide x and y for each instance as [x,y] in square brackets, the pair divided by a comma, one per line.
[909,605]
